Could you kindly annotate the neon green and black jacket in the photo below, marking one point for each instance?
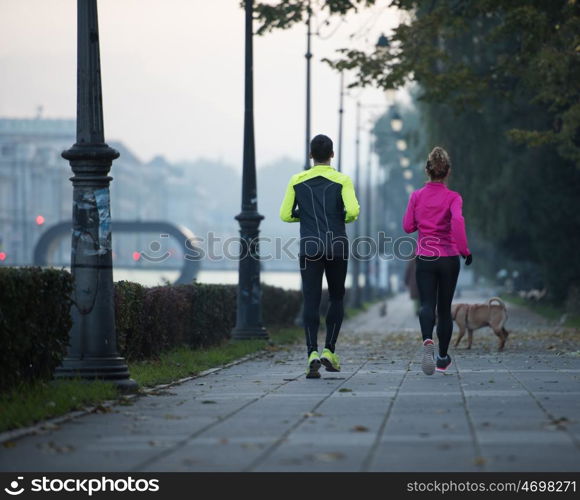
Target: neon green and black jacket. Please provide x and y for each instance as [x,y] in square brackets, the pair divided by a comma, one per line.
[323,201]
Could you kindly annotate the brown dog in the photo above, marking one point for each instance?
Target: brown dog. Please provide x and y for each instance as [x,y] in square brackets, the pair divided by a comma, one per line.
[471,317]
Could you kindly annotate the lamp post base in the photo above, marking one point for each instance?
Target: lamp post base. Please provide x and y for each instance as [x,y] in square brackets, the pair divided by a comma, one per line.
[113,370]
[250,333]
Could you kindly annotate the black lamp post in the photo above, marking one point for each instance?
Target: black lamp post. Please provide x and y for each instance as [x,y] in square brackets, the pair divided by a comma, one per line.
[356,266]
[382,42]
[249,302]
[92,352]
[368,292]
[308,57]
[340,119]
[356,292]
[382,46]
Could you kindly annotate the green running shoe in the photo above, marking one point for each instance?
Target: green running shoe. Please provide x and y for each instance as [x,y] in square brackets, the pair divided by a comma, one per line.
[313,365]
[330,360]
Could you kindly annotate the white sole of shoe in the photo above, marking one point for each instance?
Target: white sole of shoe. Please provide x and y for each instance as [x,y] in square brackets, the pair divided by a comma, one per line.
[443,370]
[428,361]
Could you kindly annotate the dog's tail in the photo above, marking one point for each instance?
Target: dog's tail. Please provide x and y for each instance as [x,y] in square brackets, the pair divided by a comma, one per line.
[498,300]
[502,304]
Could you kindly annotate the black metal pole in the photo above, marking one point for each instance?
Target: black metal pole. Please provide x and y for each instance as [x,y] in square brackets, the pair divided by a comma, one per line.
[356,298]
[249,301]
[378,227]
[340,118]
[92,352]
[308,57]
[368,292]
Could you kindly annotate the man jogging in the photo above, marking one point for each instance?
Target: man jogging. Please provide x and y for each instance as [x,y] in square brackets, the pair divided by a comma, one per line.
[322,200]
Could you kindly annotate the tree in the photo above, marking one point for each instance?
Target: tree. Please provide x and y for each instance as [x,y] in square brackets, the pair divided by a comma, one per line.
[499,89]
[536,47]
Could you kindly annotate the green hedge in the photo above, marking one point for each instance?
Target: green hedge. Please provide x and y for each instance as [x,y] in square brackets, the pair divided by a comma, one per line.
[153,320]
[34,322]
[35,318]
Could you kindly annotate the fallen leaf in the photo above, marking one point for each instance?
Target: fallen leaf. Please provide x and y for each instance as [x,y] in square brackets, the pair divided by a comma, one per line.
[479,461]
[344,389]
[560,423]
[52,447]
[51,427]
[101,409]
[360,428]
[162,392]
[328,457]
[209,402]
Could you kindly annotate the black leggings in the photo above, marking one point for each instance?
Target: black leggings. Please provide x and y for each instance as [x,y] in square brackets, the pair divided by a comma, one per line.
[312,269]
[436,280]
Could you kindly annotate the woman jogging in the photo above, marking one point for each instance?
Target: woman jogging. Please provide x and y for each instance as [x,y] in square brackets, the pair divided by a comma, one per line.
[435,211]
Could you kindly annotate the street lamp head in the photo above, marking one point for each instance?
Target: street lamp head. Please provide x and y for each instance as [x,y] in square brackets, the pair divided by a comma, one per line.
[396,122]
[382,42]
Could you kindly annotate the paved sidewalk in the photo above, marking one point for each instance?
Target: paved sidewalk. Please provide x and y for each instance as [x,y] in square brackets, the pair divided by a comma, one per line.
[513,411]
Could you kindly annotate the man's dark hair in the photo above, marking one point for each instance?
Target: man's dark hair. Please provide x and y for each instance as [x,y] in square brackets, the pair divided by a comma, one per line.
[321,148]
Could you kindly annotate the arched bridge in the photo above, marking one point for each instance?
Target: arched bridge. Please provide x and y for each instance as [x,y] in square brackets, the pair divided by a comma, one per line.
[49,240]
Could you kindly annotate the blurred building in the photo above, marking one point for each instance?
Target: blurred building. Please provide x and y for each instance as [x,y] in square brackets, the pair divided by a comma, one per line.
[34,188]
[36,193]
[202,195]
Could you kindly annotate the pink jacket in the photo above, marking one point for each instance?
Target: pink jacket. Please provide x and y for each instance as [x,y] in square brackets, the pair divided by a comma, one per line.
[435,211]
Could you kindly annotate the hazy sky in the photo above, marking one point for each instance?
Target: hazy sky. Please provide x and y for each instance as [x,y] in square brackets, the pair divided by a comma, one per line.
[172,74]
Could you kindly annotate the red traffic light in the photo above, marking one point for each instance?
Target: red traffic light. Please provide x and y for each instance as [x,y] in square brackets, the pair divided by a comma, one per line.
[136,255]
[2,256]
[39,220]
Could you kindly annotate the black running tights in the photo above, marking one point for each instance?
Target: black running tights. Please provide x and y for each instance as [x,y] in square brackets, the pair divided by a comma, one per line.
[436,280]
[312,269]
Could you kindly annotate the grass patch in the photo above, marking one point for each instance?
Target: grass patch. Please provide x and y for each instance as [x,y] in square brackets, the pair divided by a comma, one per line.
[37,401]
[184,362]
[546,310]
